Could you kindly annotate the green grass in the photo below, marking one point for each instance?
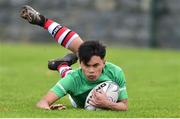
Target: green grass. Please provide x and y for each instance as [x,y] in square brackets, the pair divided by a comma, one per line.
[153,82]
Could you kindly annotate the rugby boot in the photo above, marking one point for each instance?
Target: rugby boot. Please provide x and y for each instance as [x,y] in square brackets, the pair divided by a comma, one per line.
[69,59]
[32,16]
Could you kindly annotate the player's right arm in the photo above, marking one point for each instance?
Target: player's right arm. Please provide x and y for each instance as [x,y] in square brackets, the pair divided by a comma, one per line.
[58,91]
[47,102]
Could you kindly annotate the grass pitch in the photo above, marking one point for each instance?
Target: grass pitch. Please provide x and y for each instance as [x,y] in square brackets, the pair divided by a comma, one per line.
[153,82]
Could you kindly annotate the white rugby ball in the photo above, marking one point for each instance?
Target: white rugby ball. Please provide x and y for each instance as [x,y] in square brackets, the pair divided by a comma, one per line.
[109,87]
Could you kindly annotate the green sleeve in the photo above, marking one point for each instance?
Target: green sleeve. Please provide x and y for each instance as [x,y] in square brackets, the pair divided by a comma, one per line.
[122,84]
[63,86]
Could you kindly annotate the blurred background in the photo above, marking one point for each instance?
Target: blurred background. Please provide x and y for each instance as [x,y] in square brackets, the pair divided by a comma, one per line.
[129,23]
[143,38]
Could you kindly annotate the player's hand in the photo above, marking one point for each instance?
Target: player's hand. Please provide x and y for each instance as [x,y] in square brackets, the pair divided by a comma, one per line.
[57,107]
[99,99]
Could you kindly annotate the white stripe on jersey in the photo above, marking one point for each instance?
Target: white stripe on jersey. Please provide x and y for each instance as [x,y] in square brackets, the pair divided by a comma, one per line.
[121,89]
[60,86]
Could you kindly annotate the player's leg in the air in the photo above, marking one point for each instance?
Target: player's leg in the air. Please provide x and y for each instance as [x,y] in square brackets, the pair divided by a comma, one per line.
[64,36]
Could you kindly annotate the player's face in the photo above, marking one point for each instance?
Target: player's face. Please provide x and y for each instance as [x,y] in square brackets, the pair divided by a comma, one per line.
[93,68]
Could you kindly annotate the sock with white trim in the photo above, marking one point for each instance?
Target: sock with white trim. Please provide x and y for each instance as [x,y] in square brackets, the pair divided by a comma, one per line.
[64,69]
[61,34]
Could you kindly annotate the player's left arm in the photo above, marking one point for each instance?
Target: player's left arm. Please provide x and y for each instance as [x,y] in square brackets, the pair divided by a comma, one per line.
[99,99]
[121,105]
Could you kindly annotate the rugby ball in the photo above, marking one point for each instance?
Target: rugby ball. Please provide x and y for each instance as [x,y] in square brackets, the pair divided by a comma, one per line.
[109,87]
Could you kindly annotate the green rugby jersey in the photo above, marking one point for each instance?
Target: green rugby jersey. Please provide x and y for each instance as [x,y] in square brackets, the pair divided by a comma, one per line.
[76,84]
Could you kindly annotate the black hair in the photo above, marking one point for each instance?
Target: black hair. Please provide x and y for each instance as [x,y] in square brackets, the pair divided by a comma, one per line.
[89,49]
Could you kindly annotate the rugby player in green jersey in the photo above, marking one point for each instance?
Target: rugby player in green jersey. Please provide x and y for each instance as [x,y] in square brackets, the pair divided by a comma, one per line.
[78,83]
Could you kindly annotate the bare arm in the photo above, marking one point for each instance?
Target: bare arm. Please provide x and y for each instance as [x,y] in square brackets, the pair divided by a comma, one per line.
[121,105]
[100,100]
[47,101]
